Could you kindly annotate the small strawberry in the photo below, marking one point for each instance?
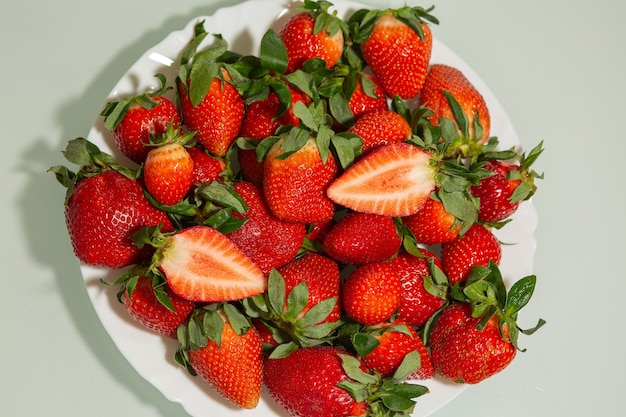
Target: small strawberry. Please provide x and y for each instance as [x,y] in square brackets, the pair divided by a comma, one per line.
[265,239]
[368,95]
[424,287]
[202,264]
[444,78]
[432,224]
[104,208]
[228,353]
[168,169]
[393,341]
[379,128]
[134,120]
[360,238]
[393,180]
[476,336]
[313,33]
[478,246]
[371,293]
[510,183]
[397,45]
[206,168]
[142,300]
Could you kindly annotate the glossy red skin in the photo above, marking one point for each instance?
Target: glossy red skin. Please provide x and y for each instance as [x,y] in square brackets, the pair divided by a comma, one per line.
[133,132]
[494,193]
[360,103]
[302,44]
[379,128]
[398,57]
[217,118]
[394,346]
[305,383]
[432,224]
[168,173]
[102,214]
[444,77]
[464,354]
[416,305]
[360,238]
[321,275]
[478,246]
[267,240]
[147,310]
[206,168]
[370,294]
[235,368]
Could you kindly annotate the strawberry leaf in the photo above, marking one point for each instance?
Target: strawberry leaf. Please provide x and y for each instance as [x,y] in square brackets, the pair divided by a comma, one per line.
[237,320]
[297,299]
[411,363]
[318,312]
[364,343]
[519,295]
[273,53]
[276,292]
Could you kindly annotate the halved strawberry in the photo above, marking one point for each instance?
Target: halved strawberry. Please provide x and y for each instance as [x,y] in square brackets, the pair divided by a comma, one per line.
[393,180]
[202,264]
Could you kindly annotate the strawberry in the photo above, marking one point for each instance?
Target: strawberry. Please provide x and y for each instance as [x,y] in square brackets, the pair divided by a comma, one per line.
[142,302]
[368,95]
[424,287]
[312,33]
[475,337]
[206,168]
[371,293]
[265,239]
[397,45]
[202,264]
[432,224]
[295,184]
[444,78]
[228,354]
[104,207]
[360,238]
[393,342]
[510,183]
[168,169]
[478,246]
[393,180]
[134,120]
[379,128]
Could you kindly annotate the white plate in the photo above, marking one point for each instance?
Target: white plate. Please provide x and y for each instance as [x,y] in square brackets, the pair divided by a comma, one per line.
[243,26]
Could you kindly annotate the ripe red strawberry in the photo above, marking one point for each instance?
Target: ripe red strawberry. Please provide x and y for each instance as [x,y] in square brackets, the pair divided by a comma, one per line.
[362,100]
[168,169]
[423,291]
[393,180]
[206,168]
[478,246]
[379,128]
[201,264]
[371,293]
[216,117]
[360,238]
[295,186]
[230,359]
[432,224]
[313,33]
[396,340]
[305,383]
[143,305]
[397,49]
[133,121]
[265,239]
[442,78]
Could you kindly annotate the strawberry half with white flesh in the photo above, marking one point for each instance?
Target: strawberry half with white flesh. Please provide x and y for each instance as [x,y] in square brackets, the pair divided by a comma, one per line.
[394,180]
[203,265]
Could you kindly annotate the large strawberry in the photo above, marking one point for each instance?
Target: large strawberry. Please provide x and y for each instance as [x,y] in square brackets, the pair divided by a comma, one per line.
[360,238]
[227,353]
[210,103]
[393,180]
[104,208]
[476,336]
[313,33]
[397,45]
[267,240]
[134,120]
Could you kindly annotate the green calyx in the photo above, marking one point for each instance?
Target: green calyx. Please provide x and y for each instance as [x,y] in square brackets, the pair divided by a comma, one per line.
[324,20]
[362,22]
[488,297]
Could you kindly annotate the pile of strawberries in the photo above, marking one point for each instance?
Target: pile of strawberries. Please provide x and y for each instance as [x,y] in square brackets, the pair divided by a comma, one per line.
[294,223]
